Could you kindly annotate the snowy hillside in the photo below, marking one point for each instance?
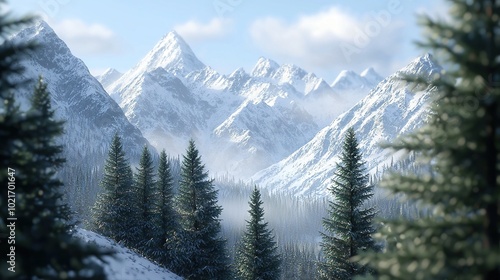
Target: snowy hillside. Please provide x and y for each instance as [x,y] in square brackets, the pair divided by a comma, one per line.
[242,122]
[389,110]
[126,264]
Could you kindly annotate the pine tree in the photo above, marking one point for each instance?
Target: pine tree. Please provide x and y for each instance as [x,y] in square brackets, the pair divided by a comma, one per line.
[147,195]
[461,239]
[167,220]
[113,214]
[349,225]
[257,256]
[201,250]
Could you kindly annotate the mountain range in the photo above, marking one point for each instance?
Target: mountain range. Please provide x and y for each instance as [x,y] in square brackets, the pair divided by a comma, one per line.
[278,125]
[242,122]
[394,107]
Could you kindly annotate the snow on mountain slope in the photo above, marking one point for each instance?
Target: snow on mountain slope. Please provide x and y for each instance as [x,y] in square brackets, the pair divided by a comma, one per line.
[253,143]
[171,97]
[170,107]
[389,110]
[108,77]
[91,116]
[303,82]
[171,53]
[126,264]
[264,68]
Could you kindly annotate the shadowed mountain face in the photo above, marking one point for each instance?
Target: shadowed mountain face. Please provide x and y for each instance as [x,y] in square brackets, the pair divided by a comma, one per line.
[92,116]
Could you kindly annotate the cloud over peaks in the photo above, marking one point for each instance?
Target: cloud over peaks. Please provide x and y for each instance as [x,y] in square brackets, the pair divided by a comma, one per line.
[194,31]
[331,38]
[86,39]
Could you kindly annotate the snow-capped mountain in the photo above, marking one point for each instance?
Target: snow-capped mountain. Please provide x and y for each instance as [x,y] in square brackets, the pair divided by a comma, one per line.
[220,112]
[91,116]
[241,122]
[389,110]
[125,264]
[350,80]
[171,96]
[302,81]
[108,77]
[171,53]
[371,77]
[264,68]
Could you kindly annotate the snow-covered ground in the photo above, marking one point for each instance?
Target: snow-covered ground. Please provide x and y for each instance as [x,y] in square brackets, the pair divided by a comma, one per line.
[126,264]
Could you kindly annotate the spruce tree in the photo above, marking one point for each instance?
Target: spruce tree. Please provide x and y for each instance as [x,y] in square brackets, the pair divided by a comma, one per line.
[167,220]
[257,256]
[349,226]
[113,214]
[201,249]
[461,143]
[43,245]
[147,195]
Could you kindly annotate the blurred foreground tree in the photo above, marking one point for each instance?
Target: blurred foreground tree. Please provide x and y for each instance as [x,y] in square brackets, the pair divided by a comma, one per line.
[461,141]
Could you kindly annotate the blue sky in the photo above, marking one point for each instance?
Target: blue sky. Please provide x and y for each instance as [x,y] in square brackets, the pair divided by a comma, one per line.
[323,37]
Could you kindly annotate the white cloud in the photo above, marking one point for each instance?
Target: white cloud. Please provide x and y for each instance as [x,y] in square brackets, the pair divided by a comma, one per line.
[194,31]
[86,39]
[332,38]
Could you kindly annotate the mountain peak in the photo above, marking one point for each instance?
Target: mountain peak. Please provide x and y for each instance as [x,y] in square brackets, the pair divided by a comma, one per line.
[264,67]
[238,73]
[424,66]
[347,79]
[293,69]
[173,54]
[371,76]
[40,25]
[108,77]
[39,29]
[173,36]
[110,71]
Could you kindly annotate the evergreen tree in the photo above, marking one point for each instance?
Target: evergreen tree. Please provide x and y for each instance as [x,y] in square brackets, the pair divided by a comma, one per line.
[257,256]
[201,250]
[167,220]
[349,225]
[147,206]
[43,245]
[461,239]
[113,214]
